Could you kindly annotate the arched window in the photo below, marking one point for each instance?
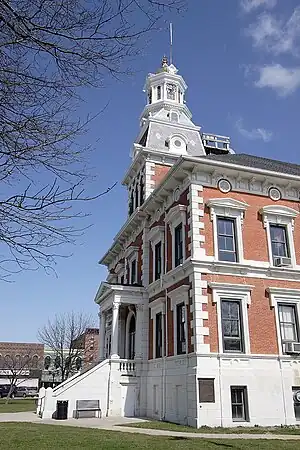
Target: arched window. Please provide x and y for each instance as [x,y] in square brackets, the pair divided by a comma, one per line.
[18,362]
[7,361]
[78,363]
[131,349]
[47,362]
[57,362]
[35,361]
[150,96]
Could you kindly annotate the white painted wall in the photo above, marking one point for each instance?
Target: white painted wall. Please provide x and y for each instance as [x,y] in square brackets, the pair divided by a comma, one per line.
[116,391]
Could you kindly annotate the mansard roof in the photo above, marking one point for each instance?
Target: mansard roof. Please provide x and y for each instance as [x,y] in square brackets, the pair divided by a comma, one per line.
[257,162]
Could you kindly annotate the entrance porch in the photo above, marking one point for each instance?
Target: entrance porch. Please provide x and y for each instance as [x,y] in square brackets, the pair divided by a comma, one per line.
[122,321]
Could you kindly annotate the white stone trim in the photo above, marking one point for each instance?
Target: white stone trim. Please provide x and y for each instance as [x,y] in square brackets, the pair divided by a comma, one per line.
[195,221]
[149,182]
[158,305]
[131,254]
[197,300]
[280,215]
[177,296]
[156,235]
[231,209]
[120,271]
[232,292]
[145,257]
[175,217]
[283,295]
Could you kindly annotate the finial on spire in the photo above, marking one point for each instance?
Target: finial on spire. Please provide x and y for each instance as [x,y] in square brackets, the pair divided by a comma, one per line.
[164,61]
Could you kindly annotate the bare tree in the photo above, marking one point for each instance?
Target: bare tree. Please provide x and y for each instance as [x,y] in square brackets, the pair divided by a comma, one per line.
[61,336]
[49,51]
[19,367]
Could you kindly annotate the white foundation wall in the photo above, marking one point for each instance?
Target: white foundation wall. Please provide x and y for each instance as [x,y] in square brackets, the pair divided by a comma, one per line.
[269,383]
[171,390]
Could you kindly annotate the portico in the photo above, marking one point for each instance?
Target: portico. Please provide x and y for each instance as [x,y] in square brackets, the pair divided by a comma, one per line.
[121,321]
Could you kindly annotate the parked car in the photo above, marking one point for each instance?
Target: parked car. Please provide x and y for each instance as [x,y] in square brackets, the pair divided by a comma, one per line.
[4,391]
[25,392]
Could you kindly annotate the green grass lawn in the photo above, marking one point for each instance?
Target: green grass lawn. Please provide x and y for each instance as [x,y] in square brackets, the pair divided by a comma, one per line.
[157,425]
[17,405]
[34,436]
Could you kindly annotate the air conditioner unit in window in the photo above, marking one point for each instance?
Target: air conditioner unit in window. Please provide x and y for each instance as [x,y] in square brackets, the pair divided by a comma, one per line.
[292,347]
[282,261]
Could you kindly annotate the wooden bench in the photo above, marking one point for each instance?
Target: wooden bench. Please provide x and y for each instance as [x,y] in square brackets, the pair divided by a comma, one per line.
[87,405]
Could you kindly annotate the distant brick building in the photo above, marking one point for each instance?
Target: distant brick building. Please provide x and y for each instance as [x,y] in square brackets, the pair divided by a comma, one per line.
[88,342]
[26,357]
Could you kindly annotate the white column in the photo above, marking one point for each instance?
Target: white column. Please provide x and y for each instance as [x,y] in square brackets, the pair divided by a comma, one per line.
[101,335]
[115,330]
[139,331]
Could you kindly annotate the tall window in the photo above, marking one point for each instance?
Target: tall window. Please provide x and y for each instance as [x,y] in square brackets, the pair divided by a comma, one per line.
[239,404]
[157,261]
[142,191]
[288,323]
[133,272]
[227,239]
[131,201]
[279,244]
[178,238]
[158,92]
[136,195]
[233,339]
[159,335]
[181,337]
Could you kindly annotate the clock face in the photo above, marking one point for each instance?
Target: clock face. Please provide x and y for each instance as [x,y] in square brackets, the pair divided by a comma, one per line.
[171,91]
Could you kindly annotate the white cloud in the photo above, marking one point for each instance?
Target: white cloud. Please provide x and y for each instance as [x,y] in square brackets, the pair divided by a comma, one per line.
[255,134]
[284,81]
[276,36]
[250,5]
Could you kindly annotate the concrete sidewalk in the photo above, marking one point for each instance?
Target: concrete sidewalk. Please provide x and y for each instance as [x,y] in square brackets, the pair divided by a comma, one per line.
[116,424]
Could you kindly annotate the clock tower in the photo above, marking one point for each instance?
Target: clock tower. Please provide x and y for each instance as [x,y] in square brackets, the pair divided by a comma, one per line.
[166,133]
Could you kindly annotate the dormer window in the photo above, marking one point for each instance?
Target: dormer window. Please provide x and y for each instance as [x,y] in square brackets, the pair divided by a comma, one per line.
[174,116]
[178,144]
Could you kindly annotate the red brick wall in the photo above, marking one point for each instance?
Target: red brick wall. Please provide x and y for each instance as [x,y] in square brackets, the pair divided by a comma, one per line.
[160,173]
[254,249]
[261,317]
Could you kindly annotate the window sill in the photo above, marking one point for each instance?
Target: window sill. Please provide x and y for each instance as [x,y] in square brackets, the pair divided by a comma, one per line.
[240,420]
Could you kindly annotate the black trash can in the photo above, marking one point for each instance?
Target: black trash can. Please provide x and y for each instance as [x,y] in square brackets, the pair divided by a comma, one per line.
[62,410]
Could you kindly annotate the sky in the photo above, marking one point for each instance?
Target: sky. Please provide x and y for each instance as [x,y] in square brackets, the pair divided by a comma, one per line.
[241,62]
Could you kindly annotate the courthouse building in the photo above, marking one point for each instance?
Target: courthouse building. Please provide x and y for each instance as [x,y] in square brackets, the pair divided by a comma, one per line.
[199,314]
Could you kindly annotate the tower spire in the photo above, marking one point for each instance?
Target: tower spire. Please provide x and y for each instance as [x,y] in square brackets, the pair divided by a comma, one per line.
[171,43]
